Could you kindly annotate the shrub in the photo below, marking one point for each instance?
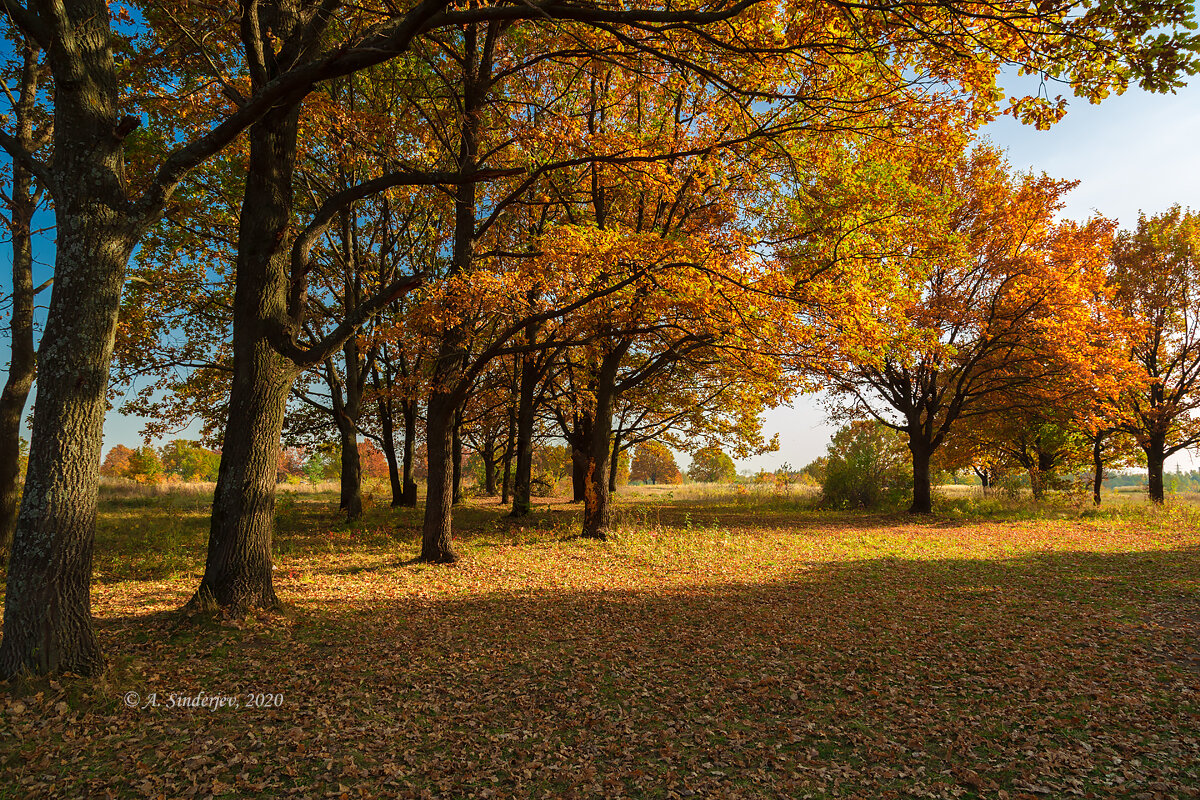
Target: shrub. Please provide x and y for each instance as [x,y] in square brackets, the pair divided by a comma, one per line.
[869,466]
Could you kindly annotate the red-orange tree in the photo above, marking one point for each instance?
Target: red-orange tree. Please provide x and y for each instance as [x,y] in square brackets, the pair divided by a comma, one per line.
[1156,278]
[996,300]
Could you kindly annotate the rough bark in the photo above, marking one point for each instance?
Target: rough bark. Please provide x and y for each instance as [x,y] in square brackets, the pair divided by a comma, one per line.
[922,502]
[47,611]
[439,497]
[597,508]
[350,494]
[237,573]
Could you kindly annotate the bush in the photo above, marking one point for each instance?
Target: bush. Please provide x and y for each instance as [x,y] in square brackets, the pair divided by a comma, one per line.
[869,466]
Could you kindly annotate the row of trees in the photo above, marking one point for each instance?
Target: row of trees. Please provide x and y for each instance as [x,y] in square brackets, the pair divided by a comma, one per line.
[571,212]
[1034,344]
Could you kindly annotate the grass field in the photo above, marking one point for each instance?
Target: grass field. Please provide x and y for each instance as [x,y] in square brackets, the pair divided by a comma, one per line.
[723,645]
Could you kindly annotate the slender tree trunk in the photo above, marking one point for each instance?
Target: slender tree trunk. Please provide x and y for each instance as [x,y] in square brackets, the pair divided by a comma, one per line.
[388,439]
[922,484]
[614,464]
[510,449]
[439,497]
[47,608]
[1156,457]
[456,456]
[522,478]
[237,573]
[22,363]
[1097,467]
[409,408]
[489,466]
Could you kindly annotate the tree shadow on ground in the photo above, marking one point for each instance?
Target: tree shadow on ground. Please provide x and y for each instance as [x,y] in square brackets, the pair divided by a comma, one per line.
[1045,675]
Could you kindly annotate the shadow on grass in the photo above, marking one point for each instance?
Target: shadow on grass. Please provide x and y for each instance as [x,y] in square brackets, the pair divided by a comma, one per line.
[1044,675]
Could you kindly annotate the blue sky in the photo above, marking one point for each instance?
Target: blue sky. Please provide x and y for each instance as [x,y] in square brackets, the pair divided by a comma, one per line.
[1136,151]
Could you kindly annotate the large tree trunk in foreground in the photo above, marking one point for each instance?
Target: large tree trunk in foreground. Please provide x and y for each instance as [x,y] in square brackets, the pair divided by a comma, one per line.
[922,484]
[439,497]
[1097,467]
[237,572]
[47,609]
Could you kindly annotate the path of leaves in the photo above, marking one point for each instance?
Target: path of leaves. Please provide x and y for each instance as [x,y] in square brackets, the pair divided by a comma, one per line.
[875,660]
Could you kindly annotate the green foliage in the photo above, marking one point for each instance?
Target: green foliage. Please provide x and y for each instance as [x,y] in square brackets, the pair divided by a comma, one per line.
[711,465]
[323,463]
[188,461]
[145,466]
[868,466]
[813,473]
[551,465]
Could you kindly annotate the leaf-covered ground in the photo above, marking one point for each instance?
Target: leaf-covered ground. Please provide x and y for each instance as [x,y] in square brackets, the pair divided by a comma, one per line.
[713,650]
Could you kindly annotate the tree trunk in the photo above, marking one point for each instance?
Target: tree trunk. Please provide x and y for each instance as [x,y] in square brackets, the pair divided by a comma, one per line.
[522,478]
[1155,459]
[922,484]
[456,453]
[439,497]
[22,361]
[985,478]
[579,467]
[410,446]
[388,445]
[1037,486]
[1097,467]
[47,609]
[510,448]
[614,464]
[237,573]
[351,481]
[489,465]
[597,508]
